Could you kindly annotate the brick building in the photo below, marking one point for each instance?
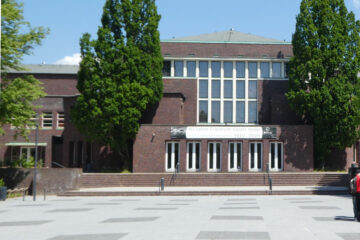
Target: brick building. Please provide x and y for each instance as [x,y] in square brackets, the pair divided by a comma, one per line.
[223,110]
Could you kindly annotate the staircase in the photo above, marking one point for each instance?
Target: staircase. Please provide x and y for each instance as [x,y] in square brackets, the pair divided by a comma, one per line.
[96,180]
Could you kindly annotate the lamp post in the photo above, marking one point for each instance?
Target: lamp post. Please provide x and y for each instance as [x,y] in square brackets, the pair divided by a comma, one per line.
[36,155]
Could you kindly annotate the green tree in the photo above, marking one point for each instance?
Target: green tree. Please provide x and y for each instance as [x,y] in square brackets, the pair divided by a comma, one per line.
[18,38]
[323,78]
[120,74]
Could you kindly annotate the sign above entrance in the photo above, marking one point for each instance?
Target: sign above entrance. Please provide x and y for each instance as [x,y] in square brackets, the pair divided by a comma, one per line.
[210,132]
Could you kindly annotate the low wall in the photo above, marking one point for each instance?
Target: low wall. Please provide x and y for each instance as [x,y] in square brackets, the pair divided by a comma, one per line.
[54,180]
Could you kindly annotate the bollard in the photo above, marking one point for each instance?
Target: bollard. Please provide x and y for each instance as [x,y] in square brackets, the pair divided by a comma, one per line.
[44,194]
[24,195]
[162,183]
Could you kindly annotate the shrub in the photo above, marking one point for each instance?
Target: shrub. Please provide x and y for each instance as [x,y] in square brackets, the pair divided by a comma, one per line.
[2,183]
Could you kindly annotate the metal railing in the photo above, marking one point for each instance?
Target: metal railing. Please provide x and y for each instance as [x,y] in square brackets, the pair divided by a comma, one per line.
[58,164]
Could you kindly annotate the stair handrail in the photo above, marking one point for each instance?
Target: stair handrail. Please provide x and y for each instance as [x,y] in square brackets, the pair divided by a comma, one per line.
[269,177]
[58,164]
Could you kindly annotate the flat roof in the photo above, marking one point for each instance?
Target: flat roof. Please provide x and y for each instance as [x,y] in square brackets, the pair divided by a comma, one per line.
[47,68]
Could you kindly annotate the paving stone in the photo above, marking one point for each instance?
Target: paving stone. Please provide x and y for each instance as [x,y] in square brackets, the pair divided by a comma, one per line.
[23,223]
[324,219]
[349,236]
[2,211]
[103,204]
[319,207]
[233,217]
[65,200]
[306,202]
[298,198]
[239,208]
[71,210]
[103,236]
[145,208]
[184,200]
[125,200]
[240,203]
[233,235]
[173,204]
[32,205]
[132,219]
[241,199]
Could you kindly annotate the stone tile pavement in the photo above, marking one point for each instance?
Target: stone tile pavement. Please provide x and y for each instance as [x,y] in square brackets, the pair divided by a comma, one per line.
[189,217]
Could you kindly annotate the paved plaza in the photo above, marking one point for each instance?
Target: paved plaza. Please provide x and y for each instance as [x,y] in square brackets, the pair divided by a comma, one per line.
[180,217]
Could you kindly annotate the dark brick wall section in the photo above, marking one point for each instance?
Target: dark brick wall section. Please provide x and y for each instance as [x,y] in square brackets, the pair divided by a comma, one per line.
[208,50]
[54,180]
[149,149]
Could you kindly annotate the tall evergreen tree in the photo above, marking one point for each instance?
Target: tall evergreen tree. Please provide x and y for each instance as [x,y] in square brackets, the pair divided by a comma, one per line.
[323,78]
[18,38]
[120,74]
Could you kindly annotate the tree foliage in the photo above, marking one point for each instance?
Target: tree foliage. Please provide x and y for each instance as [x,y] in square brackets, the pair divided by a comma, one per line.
[120,73]
[18,38]
[323,79]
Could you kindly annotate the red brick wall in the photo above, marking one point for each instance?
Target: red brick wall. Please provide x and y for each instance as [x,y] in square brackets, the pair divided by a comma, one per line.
[149,151]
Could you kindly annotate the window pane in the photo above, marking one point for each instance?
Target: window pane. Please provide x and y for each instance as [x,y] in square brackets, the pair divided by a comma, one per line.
[228,89]
[203,88]
[286,70]
[197,155]
[238,152]
[252,89]
[228,112]
[265,70]
[176,154]
[231,155]
[279,155]
[259,156]
[228,69]
[240,69]
[218,155]
[215,69]
[252,112]
[240,112]
[191,68]
[204,71]
[276,70]
[215,111]
[240,89]
[272,153]
[211,154]
[179,68]
[252,155]
[169,150]
[203,111]
[166,69]
[215,86]
[190,154]
[252,69]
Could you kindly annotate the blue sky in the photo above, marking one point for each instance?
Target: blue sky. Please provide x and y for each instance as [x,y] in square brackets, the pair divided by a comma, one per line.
[69,19]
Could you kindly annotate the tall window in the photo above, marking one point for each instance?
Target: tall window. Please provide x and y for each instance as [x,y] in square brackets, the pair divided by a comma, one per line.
[228,95]
[179,68]
[255,156]
[235,156]
[214,156]
[276,156]
[166,69]
[47,120]
[193,156]
[172,155]
[60,120]
[191,68]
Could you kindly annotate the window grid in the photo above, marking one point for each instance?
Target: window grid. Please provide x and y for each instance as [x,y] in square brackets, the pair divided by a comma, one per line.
[47,120]
[60,120]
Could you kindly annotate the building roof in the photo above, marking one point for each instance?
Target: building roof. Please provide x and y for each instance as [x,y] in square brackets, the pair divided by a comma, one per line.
[48,69]
[230,36]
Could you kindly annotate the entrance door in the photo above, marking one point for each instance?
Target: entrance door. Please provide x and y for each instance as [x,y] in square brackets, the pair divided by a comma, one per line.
[172,156]
[255,156]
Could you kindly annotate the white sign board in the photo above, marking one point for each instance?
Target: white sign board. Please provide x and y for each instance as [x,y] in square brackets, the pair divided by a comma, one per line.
[224,132]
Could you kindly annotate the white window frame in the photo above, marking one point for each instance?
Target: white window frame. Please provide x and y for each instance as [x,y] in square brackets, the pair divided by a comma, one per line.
[214,169]
[172,169]
[59,118]
[235,169]
[193,169]
[44,118]
[256,168]
[276,167]
[28,152]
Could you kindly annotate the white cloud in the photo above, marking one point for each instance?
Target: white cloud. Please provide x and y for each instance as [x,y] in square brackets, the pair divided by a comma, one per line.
[70,60]
[356,3]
